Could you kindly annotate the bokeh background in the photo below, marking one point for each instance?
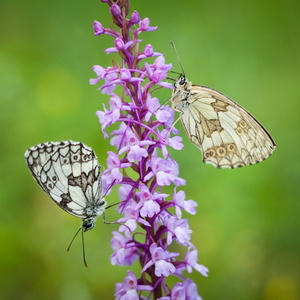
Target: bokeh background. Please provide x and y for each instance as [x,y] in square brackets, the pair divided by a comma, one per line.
[248,220]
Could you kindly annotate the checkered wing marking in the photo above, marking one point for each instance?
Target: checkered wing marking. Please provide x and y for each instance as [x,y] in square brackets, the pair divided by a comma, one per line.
[69,173]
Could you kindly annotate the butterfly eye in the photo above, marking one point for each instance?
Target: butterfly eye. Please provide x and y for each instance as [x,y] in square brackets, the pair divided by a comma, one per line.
[182,82]
[88,225]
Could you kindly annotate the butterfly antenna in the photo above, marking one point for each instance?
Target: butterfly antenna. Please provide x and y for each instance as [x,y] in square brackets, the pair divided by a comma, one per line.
[175,50]
[69,247]
[83,249]
[171,78]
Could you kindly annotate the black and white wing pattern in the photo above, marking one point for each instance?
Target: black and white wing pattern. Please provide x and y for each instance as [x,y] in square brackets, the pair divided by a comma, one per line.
[69,173]
[227,135]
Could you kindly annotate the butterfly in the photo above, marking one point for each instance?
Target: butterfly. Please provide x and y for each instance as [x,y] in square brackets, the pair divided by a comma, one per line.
[227,134]
[69,174]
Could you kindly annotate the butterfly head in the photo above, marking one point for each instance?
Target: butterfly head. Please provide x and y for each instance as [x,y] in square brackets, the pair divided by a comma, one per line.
[182,83]
[180,93]
[88,224]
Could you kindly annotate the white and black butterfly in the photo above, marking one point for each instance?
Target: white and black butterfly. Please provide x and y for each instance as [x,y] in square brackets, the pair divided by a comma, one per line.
[69,173]
[225,132]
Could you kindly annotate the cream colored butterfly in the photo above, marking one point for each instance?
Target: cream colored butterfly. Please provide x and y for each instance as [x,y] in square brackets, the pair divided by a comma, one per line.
[227,135]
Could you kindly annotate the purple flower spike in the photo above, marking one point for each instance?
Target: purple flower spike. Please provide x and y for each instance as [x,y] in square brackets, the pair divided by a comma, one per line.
[141,166]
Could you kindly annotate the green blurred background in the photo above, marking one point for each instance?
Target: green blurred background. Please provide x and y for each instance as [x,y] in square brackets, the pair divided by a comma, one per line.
[248,220]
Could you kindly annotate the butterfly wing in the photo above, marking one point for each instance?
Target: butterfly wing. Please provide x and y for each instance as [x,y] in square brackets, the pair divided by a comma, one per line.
[69,173]
[226,133]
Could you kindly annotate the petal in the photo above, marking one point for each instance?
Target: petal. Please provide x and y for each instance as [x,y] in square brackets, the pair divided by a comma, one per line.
[163,268]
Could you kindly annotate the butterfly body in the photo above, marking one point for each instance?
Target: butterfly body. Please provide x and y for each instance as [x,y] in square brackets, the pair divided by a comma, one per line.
[225,132]
[69,173]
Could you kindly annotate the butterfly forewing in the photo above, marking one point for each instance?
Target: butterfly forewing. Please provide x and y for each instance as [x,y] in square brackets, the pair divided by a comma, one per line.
[226,133]
[69,173]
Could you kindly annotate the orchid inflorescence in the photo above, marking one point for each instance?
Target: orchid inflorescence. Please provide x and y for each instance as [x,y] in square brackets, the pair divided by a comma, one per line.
[151,220]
